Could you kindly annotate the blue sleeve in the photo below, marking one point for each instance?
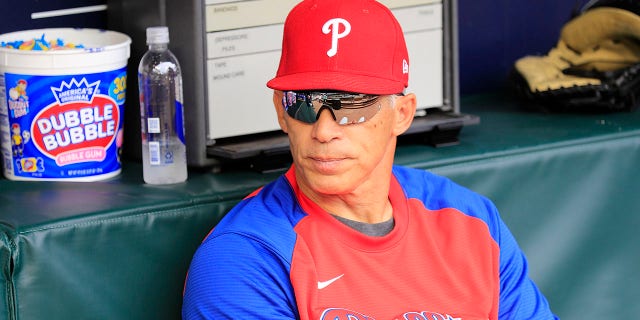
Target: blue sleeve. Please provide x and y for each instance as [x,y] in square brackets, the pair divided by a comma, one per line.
[233,276]
[519,296]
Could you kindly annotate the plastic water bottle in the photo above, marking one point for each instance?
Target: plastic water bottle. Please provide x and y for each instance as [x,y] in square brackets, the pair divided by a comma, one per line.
[164,157]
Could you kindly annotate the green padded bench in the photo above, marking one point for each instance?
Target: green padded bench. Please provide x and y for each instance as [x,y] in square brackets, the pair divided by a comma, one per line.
[567,185]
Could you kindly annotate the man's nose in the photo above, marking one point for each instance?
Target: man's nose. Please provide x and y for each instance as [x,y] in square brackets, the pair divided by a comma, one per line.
[325,128]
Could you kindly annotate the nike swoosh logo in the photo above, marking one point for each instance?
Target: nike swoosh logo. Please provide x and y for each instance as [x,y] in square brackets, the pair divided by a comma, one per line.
[324,284]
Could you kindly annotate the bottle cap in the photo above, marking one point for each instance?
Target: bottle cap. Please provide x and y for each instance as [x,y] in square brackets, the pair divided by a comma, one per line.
[157,35]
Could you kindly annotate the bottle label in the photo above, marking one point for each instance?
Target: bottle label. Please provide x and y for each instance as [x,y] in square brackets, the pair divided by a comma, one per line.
[154,153]
[162,123]
[153,125]
[62,126]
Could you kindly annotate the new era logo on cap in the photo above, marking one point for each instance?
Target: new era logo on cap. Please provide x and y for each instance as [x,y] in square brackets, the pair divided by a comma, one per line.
[345,45]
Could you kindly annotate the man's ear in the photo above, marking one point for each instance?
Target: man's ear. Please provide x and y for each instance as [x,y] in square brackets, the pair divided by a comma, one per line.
[277,103]
[405,109]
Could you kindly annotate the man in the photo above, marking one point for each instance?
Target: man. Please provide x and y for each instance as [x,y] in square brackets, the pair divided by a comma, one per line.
[345,234]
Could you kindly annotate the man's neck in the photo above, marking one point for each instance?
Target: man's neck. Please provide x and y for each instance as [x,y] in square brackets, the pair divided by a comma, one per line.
[366,204]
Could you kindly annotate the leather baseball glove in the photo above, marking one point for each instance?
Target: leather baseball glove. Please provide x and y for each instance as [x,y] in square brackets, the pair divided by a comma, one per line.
[595,66]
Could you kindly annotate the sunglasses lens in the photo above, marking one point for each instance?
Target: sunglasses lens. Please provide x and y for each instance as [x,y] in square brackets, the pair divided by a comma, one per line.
[299,106]
[345,108]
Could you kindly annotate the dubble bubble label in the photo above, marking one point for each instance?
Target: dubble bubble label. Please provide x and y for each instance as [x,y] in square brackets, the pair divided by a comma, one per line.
[64,127]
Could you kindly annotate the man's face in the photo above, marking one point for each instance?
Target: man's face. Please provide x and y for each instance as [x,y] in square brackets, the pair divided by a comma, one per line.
[333,159]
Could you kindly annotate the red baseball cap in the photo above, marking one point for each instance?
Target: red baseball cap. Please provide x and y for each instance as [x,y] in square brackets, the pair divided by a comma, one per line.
[343,45]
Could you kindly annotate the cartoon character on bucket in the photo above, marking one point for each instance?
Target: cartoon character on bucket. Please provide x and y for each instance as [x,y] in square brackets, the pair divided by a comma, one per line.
[19,91]
[16,140]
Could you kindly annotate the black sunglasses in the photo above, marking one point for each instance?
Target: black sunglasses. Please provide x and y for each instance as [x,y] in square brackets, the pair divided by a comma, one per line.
[346,108]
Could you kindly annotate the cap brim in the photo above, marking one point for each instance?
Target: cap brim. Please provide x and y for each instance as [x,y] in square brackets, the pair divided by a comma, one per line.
[336,81]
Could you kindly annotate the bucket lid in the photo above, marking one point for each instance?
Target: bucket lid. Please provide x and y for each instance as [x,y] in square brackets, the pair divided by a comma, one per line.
[91,39]
[99,47]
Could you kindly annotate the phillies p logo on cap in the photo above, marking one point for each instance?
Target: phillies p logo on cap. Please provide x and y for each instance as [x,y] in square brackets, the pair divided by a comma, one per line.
[333,26]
